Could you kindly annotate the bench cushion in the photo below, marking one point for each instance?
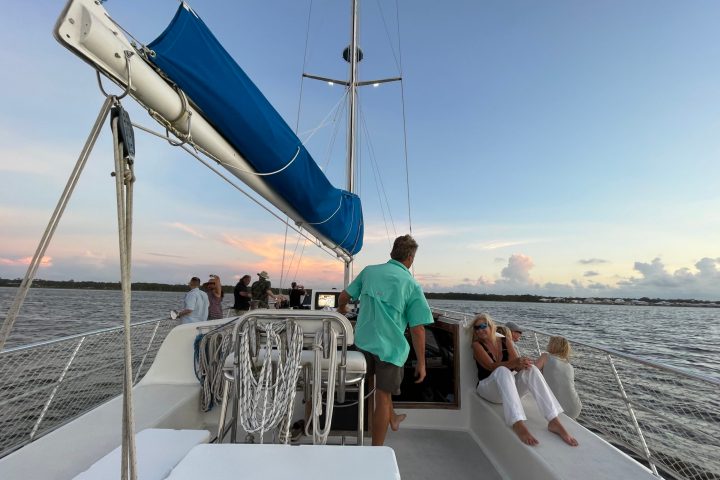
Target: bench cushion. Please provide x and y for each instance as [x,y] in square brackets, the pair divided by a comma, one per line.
[307,462]
[552,458]
[158,451]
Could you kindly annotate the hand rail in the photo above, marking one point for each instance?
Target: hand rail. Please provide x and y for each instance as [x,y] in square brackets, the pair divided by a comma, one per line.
[79,335]
[52,382]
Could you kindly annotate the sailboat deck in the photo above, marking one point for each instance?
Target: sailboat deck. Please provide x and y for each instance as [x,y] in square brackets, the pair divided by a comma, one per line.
[432,454]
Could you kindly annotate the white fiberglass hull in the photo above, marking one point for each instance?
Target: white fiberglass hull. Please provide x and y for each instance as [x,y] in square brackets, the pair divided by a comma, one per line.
[469,442]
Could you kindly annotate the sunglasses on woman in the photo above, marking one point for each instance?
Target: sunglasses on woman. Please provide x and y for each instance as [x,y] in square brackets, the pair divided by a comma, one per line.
[480,326]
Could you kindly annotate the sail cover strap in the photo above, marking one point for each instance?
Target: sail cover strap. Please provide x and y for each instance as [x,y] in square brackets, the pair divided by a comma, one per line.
[190,55]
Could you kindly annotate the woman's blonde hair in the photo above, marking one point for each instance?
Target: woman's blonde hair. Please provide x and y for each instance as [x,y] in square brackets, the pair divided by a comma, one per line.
[484,318]
[559,346]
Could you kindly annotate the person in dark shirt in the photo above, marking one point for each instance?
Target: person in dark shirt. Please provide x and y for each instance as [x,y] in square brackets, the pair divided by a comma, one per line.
[242,296]
[261,292]
[296,293]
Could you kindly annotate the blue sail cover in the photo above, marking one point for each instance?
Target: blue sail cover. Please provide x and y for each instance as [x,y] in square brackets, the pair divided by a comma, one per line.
[190,55]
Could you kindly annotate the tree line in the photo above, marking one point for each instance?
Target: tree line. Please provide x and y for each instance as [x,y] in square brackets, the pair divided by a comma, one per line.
[164,287]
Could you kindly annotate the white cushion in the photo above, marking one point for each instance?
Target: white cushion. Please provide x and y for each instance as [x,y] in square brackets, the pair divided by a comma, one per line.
[158,451]
[308,462]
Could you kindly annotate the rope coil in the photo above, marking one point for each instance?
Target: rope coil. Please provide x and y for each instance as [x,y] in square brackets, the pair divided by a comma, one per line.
[267,400]
[320,434]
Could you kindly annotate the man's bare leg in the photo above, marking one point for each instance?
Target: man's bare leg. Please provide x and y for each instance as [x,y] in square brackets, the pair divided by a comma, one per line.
[381,416]
[395,419]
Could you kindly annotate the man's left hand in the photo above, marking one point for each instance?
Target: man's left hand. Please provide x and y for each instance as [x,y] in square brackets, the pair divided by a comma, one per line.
[419,373]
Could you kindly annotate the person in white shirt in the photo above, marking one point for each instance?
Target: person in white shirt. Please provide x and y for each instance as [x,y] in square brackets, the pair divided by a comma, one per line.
[195,305]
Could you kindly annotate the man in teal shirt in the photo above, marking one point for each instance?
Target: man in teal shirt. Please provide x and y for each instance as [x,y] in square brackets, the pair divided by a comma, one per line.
[391,300]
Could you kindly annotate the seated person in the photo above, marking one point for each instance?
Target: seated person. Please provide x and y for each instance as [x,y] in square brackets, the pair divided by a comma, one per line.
[560,375]
[516,332]
[504,331]
[495,358]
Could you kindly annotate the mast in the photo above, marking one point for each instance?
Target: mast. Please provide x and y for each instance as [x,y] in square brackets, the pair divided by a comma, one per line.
[352,112]
[353,55]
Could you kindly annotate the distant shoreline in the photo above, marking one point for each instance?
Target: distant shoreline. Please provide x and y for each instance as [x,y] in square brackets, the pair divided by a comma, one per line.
[487,297]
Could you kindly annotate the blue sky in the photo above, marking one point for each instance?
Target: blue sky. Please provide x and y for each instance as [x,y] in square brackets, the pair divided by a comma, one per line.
[555,148]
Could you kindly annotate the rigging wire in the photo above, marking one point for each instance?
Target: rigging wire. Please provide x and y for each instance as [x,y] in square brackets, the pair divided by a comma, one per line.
[297,127]
[402,100]
[379,186]
[331,145]
[282,265]
[292,260]
[302,252]
[387,32]
[302,78]
[308,134]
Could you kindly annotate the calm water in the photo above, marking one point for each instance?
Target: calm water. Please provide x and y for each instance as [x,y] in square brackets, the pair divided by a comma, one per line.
[687,338]
[55,313]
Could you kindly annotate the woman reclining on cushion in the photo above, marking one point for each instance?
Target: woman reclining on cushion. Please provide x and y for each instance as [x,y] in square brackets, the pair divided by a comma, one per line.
[495,358]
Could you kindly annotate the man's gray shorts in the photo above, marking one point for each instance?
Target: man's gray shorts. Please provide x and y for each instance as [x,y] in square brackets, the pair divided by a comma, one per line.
[388,376]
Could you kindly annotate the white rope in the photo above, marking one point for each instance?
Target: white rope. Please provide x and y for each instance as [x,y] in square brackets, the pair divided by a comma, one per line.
[328,218]
[267,402]
[320,434]
[213,349]
[308,134]
[124,180]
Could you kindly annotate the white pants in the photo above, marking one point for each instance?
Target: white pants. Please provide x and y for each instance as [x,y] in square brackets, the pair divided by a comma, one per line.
[504,387]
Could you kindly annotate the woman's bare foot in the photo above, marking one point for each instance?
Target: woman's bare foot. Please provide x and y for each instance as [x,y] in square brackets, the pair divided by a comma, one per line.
[395,421]
[557,428]
[524,434]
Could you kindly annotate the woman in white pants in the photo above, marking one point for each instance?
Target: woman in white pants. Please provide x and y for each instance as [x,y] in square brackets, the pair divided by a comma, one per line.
[496,358]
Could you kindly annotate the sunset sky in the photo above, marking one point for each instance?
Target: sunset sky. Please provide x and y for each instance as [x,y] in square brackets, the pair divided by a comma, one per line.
[555,148]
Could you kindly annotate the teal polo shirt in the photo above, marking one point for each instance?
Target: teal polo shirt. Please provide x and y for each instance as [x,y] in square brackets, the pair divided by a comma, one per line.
[390,301]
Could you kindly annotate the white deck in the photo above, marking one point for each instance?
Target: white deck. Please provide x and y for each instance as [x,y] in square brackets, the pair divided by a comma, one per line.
[439,454]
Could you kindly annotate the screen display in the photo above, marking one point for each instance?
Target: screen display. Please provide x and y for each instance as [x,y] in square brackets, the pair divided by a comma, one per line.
[326,300]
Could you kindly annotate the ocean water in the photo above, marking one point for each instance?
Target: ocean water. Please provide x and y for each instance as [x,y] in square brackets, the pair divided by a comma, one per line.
[683,337]
[50,313]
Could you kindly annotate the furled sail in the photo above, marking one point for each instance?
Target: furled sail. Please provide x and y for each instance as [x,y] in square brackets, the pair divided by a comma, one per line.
[190,55]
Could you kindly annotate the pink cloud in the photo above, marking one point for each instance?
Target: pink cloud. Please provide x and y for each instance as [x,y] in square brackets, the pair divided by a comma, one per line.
[45,262]
[312,269]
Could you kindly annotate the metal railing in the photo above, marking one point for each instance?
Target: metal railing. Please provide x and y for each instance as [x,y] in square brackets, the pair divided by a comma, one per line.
[45,385]
[663,416]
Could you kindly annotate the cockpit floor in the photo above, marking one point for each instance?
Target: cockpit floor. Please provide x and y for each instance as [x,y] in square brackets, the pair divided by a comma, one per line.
[439,454]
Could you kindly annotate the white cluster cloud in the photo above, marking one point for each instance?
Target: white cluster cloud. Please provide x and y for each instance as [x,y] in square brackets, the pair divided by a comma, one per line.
[655,281]
[517,271]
